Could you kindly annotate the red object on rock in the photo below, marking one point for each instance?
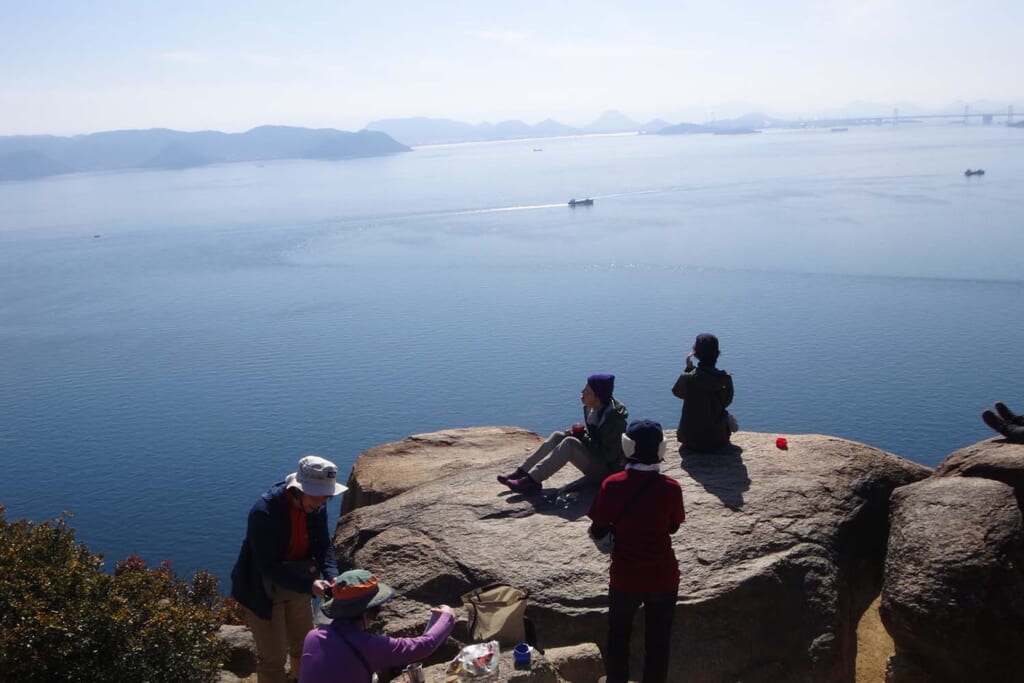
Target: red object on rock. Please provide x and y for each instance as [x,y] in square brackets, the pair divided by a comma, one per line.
[782,444]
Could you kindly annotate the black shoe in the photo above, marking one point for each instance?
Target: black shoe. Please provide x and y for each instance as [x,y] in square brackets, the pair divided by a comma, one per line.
[1009,415]
[994,421]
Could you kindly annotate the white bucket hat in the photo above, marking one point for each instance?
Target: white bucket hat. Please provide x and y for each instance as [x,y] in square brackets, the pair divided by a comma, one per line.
[316,477]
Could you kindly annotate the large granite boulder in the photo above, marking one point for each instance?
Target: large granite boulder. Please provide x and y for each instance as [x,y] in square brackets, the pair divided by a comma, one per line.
[240,650]
[385,471]
[994,458]
[953,595]
[781,553]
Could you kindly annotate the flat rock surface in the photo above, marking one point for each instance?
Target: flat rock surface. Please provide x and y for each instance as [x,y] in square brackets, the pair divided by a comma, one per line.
[387,470]
[781,553]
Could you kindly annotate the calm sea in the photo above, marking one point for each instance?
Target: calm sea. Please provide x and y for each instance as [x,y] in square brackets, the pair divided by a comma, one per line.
[172,342]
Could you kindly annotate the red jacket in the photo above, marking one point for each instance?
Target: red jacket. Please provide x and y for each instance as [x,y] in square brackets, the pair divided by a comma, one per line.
[642,560]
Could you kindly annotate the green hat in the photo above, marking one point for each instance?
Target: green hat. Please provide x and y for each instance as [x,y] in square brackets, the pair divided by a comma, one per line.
[354,592]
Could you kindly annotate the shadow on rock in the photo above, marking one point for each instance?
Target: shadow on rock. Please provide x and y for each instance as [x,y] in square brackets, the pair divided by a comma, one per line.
[721,473]
[570,502]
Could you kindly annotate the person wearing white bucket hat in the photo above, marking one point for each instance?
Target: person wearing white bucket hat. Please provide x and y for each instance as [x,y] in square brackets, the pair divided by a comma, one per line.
[286,558]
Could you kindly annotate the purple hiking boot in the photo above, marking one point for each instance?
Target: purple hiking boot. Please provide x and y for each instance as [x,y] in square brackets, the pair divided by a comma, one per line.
[507,479]
[525,485]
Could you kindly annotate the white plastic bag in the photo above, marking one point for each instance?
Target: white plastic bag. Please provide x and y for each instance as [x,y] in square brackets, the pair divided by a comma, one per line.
[478,662]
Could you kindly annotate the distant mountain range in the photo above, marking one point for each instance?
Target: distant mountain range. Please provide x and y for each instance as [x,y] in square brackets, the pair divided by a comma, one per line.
[429,131]
[24,157]
[426,131]
[748,123]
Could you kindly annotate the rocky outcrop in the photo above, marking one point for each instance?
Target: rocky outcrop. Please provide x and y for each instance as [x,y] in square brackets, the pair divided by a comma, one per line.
[240,649]
[239,653]
[780,554]
[953,595]
[385,471]
[994,458]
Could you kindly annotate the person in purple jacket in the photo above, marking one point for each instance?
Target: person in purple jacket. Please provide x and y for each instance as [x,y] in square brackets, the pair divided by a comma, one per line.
[344,651]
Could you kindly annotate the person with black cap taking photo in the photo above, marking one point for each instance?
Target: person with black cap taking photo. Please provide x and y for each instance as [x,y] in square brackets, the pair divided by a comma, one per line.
[593,446]
[344,651]
[286,559]
[705,424]
[640,508]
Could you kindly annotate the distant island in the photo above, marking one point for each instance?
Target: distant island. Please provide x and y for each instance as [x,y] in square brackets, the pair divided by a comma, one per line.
[26,157]
[421,130]
[427,131]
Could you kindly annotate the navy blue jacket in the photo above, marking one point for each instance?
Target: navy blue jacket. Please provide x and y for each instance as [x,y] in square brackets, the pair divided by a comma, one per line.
[267,535]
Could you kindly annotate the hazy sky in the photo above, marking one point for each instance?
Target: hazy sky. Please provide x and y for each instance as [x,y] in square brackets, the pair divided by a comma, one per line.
[87,65]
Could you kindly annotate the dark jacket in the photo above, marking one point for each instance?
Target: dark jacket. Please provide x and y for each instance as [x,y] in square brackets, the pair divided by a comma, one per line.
[267,535]
[706,393]
[605,439]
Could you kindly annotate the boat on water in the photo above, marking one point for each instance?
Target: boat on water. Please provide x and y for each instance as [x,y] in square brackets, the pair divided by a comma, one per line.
[581,202]
[840,130]
[977,171]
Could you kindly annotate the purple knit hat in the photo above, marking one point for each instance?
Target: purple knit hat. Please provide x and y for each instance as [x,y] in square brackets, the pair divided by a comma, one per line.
[603,386]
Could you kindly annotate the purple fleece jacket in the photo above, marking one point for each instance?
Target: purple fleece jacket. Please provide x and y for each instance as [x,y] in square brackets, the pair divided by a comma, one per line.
[328,654]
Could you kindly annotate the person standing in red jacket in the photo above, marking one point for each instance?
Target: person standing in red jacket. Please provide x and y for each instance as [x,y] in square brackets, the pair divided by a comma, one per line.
[643,508]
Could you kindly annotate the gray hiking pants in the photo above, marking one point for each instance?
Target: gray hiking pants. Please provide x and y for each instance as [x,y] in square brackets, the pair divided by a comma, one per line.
[559,449]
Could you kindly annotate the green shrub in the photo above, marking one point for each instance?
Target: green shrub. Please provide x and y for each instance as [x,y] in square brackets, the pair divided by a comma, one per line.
[231,611]
[63,619]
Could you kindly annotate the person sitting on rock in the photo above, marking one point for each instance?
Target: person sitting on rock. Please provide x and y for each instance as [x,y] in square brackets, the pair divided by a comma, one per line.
[642,507]
[594,446]
[705,424]
[344,651]
[1006,422]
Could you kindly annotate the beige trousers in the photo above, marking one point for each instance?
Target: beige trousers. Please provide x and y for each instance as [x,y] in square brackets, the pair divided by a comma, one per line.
[280,637]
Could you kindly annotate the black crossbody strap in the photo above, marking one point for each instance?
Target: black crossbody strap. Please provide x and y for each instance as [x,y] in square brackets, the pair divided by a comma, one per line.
[358,654]
[635,496]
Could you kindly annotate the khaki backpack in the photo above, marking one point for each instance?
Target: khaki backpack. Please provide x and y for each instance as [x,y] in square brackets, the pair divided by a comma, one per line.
[496,612]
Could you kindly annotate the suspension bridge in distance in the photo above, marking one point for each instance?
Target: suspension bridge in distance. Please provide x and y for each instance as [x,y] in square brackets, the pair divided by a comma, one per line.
[967,117]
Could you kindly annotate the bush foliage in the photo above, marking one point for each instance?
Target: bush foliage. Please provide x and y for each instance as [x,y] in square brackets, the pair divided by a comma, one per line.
[63,619]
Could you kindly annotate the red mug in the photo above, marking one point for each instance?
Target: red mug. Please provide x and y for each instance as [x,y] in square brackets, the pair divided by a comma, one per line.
[782,444]
[577,429]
